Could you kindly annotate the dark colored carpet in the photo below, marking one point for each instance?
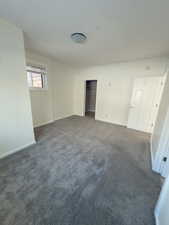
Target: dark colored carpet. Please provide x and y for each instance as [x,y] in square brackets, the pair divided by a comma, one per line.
[90,114]
[80,172]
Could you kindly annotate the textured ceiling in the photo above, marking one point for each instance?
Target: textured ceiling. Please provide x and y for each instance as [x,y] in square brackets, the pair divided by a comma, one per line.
[117,30]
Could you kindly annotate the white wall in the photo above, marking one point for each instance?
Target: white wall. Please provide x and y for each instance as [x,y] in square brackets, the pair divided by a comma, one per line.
[57,101]
[114,87]
[164,105]
[66,90]
[41,100]
[63,90]
[163,108]
[16,130]
[162,207]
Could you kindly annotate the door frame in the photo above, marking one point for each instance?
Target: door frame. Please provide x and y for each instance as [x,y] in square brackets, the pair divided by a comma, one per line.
[161,200]
[84,99]
[163,149]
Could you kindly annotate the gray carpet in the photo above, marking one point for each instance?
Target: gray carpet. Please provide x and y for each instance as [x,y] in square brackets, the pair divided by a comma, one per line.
[80,172]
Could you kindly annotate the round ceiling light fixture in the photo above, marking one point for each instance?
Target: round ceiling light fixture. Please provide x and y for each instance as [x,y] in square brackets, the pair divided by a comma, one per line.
[79,38]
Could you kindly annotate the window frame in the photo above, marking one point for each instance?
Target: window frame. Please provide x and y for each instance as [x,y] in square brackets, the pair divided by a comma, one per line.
[43,74]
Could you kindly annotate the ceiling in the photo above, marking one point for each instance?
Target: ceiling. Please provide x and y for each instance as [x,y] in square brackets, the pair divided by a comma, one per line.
[117,30]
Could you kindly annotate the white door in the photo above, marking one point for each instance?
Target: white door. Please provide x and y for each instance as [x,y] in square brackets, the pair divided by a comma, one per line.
[162,207]
[145,103]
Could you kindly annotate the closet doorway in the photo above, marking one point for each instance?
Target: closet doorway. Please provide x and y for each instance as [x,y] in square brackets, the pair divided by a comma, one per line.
[90,102]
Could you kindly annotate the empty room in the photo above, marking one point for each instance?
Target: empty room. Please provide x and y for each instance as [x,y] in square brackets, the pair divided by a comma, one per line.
[84,116]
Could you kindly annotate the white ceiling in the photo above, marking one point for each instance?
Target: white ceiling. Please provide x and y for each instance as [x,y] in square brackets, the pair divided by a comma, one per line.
[117,30]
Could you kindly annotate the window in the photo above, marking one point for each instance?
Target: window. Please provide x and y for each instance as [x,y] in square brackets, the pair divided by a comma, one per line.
[36,77]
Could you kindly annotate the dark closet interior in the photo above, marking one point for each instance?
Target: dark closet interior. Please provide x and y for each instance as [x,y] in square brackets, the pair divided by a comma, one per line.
[90,105]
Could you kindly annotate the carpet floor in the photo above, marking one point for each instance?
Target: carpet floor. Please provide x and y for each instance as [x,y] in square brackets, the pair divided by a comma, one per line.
[80,172]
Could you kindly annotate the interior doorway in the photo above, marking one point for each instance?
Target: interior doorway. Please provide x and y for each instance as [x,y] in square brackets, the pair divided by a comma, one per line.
[90,101]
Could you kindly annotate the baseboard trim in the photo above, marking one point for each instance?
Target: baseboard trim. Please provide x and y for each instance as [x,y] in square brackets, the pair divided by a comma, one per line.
[64,117]
[52,121]
[42,124]
[104,120]
[156,219]
[110,122]
[16,150]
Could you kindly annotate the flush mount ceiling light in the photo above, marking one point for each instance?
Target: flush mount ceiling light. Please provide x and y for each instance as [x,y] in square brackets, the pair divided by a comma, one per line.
[79,38]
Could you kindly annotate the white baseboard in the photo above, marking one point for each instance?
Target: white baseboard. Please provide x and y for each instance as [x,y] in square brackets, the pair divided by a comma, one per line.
[42,124]
[63,117]
[156,211]
[156,219]
[109,121]
[103,120]
[16,150]
[52,121]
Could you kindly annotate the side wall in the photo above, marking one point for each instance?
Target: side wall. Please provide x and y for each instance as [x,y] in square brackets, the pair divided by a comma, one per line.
[161,210]
[57,101]
[16,130]
[114,87]
[63,91]
[164,106]
[41,100]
